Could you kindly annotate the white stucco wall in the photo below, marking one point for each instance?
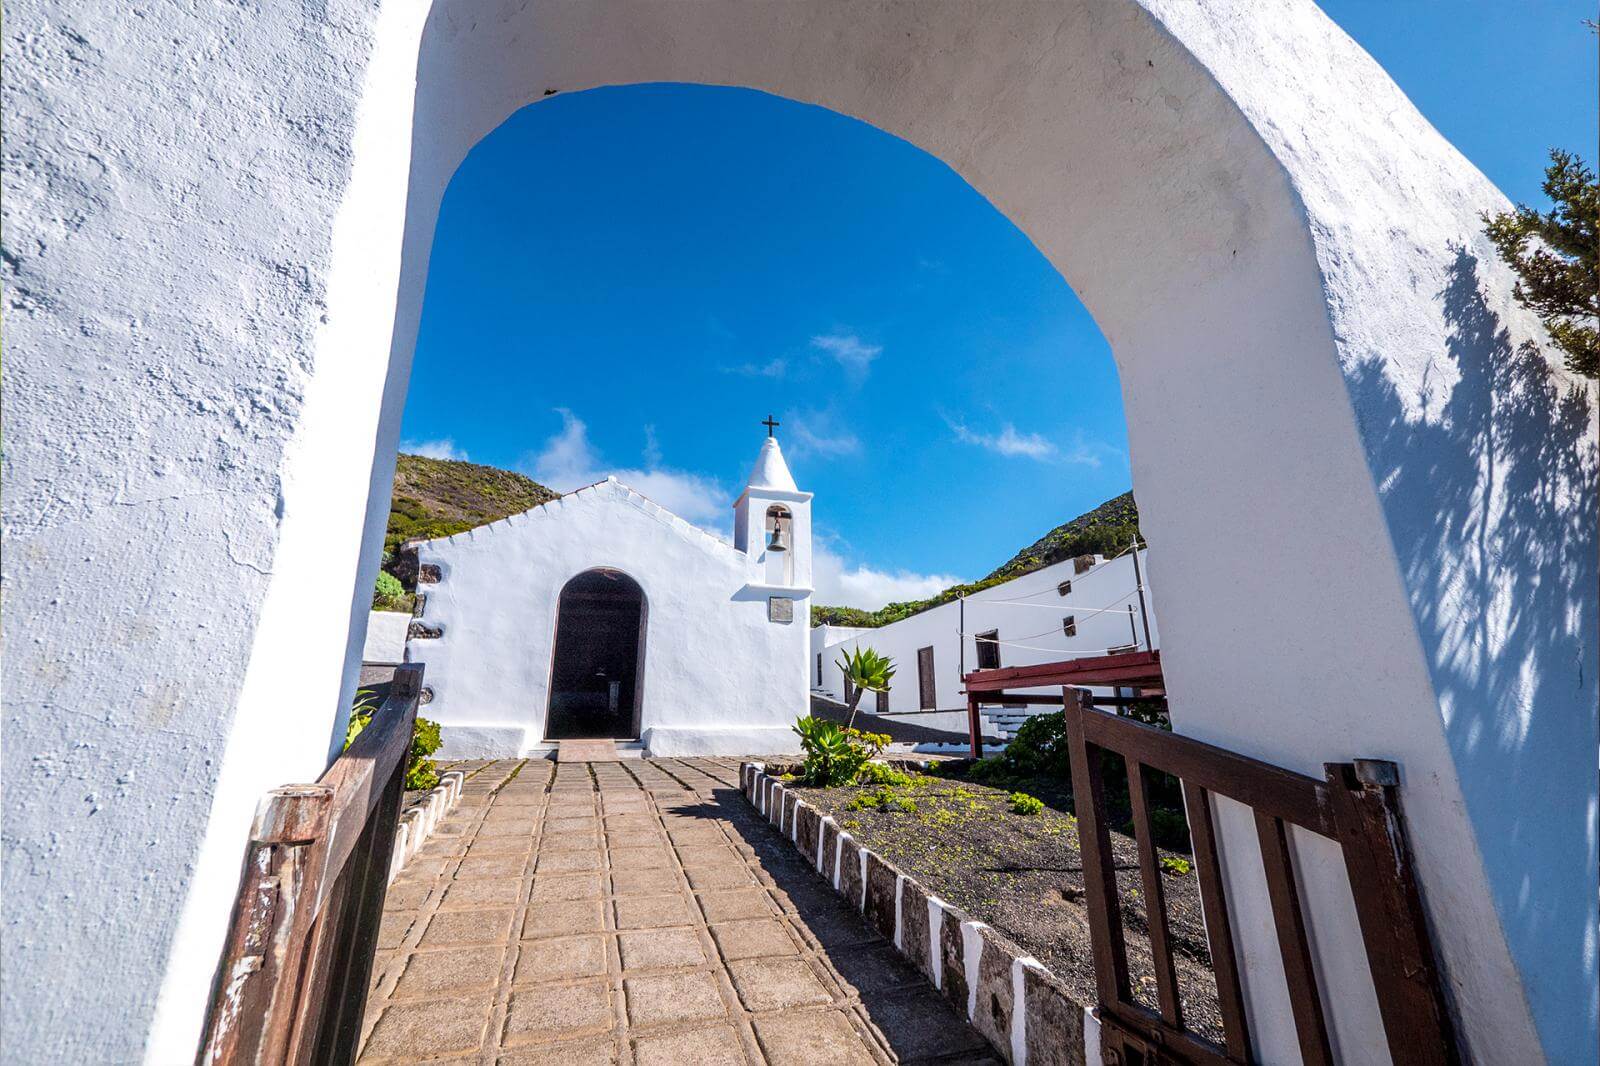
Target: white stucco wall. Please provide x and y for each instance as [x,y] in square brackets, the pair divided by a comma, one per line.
[719,678]
[1029,627]
[386,637]
[217,225]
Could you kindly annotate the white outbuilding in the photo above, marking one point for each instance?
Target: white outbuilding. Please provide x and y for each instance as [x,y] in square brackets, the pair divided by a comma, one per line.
[603,615]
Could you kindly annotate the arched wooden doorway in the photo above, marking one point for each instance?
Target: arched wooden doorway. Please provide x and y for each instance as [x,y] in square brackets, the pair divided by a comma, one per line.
[598,664]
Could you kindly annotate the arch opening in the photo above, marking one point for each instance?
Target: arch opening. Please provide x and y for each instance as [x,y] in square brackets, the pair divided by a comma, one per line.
[597,667]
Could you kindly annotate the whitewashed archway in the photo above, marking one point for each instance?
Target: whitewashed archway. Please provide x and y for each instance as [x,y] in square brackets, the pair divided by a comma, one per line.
[1331,432]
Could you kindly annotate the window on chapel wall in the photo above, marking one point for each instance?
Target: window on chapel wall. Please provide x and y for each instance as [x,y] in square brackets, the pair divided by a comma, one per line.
[1069,626]
[883,701]
[989,650]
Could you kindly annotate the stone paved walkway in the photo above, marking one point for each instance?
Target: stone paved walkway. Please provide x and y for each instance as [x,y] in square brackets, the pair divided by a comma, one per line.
[635,912]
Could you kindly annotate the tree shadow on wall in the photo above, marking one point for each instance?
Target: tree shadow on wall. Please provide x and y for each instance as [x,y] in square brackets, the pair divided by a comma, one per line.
[1491,505]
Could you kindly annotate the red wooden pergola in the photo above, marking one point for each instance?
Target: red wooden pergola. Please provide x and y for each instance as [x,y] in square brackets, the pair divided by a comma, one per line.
[1138,670]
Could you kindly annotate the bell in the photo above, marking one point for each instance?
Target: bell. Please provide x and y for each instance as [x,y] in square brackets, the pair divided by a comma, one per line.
[779,542]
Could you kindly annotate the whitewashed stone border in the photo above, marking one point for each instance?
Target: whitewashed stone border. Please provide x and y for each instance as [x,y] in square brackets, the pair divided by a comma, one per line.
[977,970]
[418,821]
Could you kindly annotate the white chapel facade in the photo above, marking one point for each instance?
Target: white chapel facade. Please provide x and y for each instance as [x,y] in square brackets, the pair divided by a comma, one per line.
[600,614]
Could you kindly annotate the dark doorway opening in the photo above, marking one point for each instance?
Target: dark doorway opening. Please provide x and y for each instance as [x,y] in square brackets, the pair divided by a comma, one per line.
[599,658]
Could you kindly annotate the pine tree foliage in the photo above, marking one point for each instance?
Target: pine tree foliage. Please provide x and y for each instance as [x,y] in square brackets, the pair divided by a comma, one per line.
[1555,257]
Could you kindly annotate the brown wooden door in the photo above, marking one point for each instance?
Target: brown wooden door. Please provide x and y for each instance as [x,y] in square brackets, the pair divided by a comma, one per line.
[930,698]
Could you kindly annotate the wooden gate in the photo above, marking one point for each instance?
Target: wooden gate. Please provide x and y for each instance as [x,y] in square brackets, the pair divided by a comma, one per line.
[1356,806]
[292,983]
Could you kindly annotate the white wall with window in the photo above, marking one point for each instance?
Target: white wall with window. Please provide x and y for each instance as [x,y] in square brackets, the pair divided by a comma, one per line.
[1087,606]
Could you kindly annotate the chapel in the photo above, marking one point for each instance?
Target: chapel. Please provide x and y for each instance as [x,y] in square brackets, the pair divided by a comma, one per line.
[601,615]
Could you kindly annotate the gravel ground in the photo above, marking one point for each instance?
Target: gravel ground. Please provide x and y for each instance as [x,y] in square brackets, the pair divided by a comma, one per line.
[1022,875]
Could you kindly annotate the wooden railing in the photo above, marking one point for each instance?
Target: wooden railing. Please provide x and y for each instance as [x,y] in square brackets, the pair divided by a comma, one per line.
[1356,807]
[292,983]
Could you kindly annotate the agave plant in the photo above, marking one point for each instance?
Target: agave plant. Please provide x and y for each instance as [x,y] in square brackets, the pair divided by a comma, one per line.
[865,671]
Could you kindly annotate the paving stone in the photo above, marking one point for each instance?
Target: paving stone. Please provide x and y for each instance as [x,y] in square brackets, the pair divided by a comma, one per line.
[550,862]
[874,969]
[674,997]
[916,1023]
[569,842]
[518,845]
[753,939]
[635,838]
[424,869]
[705,877]
[492,866]
[697,834]
[450,928]
[702,856]
[506,828]
[563,918]
[736,903]
[557,824]
[549,888]
[410,1031]
[481,893]
[561,958]
[602,1052]
[808,1038]
[642,882]
[719,1046]
[652,912]
[407,896]
[777,984]
[558,1012]
[660,949]
[430,974]
[650,858]
[393,927]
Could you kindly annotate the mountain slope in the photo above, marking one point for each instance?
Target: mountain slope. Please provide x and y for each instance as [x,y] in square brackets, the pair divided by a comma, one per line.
[1105,530]
[438,497]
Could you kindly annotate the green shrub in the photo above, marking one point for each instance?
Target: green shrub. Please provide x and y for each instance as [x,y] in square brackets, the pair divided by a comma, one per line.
[876,773]
[1040,748]
[389,595]
[992,770]
[1176,866]
[1022,803]
[834,754]
[421,773]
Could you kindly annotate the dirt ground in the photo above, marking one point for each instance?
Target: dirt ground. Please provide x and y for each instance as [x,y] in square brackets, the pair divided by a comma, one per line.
[1022,875]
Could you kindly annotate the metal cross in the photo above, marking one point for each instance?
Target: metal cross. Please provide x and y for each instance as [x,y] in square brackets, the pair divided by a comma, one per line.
[770,423]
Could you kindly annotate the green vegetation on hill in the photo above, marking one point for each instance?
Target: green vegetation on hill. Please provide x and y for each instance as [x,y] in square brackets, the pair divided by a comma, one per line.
[1106,530]
[438,497]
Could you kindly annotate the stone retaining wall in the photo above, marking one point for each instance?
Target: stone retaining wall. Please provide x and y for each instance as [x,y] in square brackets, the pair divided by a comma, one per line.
[418,820]
[978,970]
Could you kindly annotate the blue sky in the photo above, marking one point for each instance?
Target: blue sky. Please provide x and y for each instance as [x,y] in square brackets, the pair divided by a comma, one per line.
[627,280]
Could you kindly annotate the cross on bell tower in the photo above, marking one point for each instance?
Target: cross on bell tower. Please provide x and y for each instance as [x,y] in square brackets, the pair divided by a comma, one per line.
[771,424]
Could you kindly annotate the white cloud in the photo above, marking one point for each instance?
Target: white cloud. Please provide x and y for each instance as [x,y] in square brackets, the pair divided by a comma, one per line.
[570,461]
[819,433]
[841,584]
[774,368]
[444,448]
[1010,443]
[849,352]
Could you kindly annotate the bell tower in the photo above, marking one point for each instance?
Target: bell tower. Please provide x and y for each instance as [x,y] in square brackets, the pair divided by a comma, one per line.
[772,522]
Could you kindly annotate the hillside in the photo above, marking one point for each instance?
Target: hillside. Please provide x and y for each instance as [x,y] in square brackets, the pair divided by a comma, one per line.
[438,497]
[1105,530]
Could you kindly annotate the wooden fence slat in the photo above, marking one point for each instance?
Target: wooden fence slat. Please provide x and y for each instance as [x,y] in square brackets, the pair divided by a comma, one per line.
[1099,873]
[1298,968]
[1155,898]
[1219,925]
